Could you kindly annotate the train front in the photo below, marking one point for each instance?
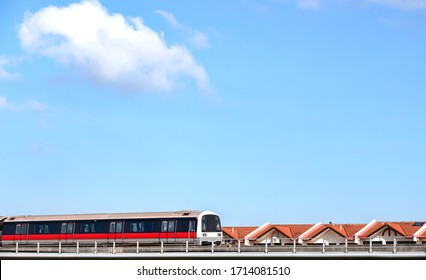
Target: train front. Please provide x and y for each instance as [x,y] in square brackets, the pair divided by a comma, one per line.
[209,229]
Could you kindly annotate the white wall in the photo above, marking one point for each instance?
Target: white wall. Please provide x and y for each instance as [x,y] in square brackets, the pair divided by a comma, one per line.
[384,235]
[328,236]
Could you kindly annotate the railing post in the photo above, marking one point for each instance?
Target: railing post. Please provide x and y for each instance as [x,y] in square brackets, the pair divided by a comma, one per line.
[186,247]
[38,247]
[394,244]
[212,247]
[239,246]
[371,245]
[323,246]
[161,246]
[137,247]
[113,247]
[60,247]
[294,246]
[17,248]
[78,247]
[266,247]
[346,245]
[96,247]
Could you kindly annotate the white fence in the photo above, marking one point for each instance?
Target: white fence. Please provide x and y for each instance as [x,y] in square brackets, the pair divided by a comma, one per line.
[228,246]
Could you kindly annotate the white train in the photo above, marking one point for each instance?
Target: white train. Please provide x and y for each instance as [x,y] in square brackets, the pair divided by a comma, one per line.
[197,227]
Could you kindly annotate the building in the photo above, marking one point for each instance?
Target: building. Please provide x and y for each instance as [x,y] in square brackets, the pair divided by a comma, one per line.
[375,232]
[278,234]
[231,235]
[330,234]
[384,233]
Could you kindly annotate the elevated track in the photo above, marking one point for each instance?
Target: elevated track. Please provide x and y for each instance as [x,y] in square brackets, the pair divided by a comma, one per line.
[186,251]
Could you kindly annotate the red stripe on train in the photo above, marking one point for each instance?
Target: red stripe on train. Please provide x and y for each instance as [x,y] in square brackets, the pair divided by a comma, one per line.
[110,236]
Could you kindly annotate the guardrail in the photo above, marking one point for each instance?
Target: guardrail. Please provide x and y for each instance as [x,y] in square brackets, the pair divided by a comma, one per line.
[186,248]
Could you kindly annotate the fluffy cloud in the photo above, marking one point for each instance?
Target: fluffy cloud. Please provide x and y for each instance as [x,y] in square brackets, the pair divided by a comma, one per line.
[30,105]
[308,4]
[5,74]
[403,4]
[109,48]
[196,38]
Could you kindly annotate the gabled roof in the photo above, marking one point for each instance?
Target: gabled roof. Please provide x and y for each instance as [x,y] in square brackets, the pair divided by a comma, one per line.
[344,230]
[238,232]
[421,233]
[352,229]
[289,230]
[406,229]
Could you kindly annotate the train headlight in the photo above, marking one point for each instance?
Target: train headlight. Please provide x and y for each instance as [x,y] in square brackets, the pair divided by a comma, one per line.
[219,234]
[204,234]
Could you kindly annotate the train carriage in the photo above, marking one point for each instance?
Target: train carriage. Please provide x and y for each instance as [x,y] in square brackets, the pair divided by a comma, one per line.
[199,227]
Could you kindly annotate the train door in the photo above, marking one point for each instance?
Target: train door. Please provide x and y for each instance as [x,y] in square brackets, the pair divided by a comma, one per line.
[191,229]
[168,231]
[163,231]
[21,232]
[171,231]
[115,231]
[67,230]
[119,231]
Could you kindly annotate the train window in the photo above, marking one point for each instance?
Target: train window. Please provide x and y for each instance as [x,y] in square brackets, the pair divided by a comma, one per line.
[136,227]
[70,227]
[164,226]
[150,226]
[172,226]
[182,225]
[38,229]
[203,224]
[86,228]
[92,227]
[24,229]
[210,223]
[119,227]
[217,223]
[18,229]
[112,227]
[47,228]
[191,225]
[8,228]
[41,228]
[64,228]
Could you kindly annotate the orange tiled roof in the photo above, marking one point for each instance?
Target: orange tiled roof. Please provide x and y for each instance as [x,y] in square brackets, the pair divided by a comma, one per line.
[290,231]
[324,227]
[238,232]
[344,230]
[422,234]
[406,229]
[351,229]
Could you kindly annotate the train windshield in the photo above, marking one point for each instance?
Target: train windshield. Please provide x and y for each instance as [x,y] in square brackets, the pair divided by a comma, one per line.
[210,223]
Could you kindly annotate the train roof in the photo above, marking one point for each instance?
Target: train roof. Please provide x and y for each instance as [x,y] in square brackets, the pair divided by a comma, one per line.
[136,215]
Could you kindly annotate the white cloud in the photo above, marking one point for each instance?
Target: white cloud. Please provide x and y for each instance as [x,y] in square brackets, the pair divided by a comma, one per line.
[30,105]
[5,74]
[41,150]
[109,48]
[196,38]
[308,4]
[402,4]
[170,18]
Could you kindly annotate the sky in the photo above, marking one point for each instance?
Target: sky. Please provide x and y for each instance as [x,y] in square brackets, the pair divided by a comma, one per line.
[280,111]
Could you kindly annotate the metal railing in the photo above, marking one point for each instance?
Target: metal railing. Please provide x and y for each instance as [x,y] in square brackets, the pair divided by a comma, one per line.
[287,246]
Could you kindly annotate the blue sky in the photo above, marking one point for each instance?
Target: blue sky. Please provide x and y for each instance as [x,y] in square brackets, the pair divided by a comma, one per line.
[263,111]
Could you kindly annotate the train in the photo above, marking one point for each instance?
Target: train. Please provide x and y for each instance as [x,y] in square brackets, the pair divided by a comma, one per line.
[194,227]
